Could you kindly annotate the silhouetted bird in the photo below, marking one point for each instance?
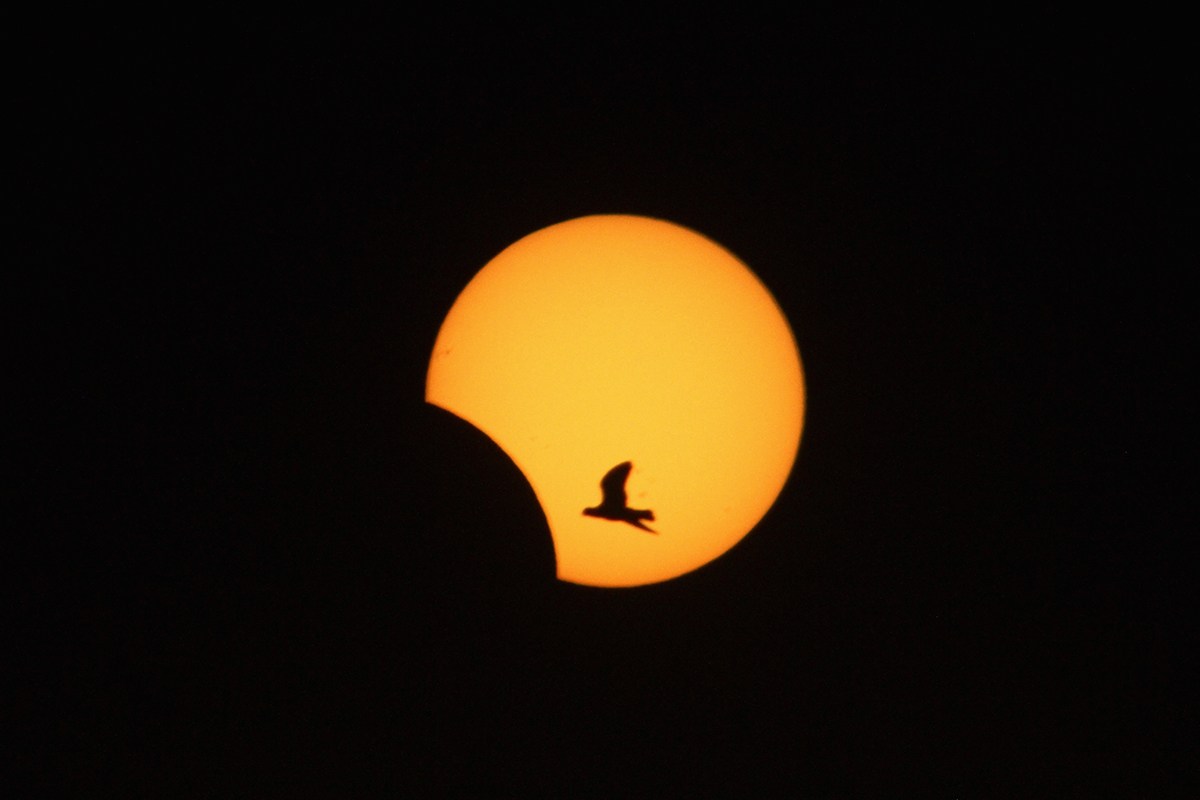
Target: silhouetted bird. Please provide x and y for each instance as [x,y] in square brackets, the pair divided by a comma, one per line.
[612,505]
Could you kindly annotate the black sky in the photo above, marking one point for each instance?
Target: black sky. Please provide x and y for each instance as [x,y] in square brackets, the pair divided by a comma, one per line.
[260,566]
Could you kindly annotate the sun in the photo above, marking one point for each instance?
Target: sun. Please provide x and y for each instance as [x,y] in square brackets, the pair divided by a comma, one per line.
[611,339]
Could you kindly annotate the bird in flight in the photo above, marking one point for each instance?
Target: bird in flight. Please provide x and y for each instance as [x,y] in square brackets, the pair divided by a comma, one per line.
[613,504]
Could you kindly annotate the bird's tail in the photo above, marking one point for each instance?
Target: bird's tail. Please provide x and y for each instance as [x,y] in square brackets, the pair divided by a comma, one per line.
[647,514]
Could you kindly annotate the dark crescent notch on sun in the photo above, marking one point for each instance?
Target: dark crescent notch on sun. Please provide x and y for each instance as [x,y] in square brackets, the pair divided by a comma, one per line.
[614,504]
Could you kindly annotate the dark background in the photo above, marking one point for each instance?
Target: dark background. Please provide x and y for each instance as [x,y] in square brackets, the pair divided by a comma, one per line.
[251,562]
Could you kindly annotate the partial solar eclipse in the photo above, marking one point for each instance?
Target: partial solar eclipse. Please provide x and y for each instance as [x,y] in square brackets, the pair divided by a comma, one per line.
[641,378]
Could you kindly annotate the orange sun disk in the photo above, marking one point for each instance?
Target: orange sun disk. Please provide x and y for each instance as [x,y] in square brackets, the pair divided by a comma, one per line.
[618,338]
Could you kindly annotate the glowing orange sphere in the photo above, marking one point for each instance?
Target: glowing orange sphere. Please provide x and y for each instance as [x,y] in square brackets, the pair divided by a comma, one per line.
[618,338]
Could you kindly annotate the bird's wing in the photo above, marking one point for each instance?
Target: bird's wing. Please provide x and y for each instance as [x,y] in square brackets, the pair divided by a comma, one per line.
[613,484]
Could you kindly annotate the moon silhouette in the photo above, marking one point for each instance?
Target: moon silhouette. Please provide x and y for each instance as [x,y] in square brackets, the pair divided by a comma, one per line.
[611,339]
